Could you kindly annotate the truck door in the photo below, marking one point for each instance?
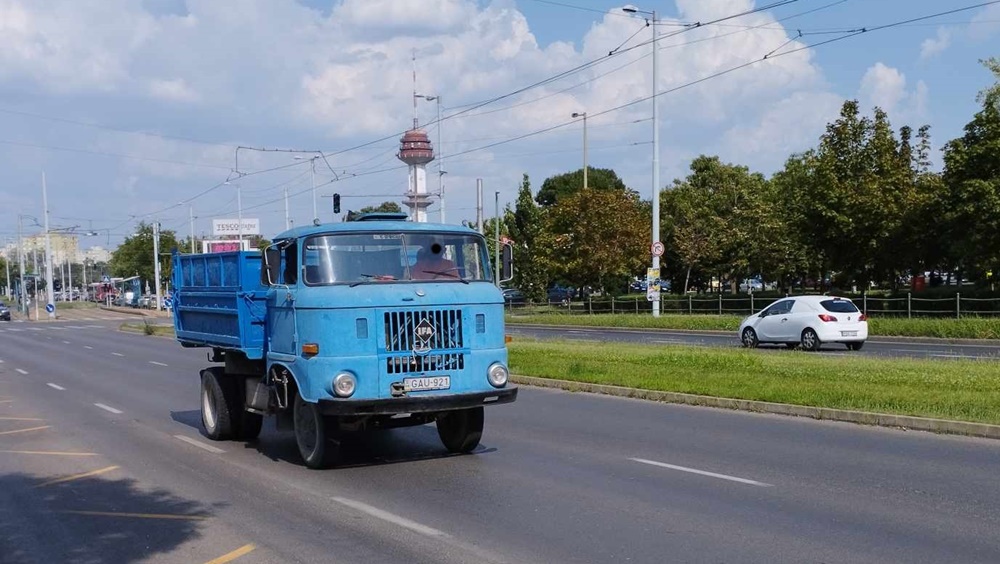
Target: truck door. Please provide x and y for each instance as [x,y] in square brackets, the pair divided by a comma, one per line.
[281,304]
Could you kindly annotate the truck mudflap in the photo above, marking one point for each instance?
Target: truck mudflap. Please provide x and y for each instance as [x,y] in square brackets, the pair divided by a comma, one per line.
[417,404]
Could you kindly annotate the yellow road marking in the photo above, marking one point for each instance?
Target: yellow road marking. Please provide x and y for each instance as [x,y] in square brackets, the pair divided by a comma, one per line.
[77,476]
[52,452]
[138,515]
[20,419]
[245,549]
[25,430]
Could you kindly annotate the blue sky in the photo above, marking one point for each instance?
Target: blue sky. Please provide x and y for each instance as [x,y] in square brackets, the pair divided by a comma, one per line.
[134,109]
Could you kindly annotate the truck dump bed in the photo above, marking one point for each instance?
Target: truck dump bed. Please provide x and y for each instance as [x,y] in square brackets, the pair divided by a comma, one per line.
[219,301]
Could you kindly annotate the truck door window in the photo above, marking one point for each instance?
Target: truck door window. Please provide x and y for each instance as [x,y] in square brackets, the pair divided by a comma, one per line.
[291,272]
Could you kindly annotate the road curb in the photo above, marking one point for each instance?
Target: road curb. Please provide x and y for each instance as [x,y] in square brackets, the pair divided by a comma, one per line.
[944,426]
[716,333]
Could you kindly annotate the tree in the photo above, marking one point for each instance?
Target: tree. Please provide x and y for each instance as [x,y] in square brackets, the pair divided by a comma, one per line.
[135,255]
[560,186]
[383,207]
[596,238]
[524,226]
[972,180]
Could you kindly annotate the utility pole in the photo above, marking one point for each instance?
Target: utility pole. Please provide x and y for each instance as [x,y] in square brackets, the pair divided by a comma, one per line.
[156,260]
[69,270]
[479,205]
[440,157]
[7,263]
[496,236]
[584,116]
[656,162]
[312,176]
[287,218]
[20,265]
[48,257]
[239,205]
[191,211]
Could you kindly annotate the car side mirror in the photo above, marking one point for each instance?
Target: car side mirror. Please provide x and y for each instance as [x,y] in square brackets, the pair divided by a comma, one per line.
[270,266]
[506,263]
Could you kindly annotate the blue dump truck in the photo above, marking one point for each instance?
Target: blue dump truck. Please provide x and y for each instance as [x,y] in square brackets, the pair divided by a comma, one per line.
[374,323]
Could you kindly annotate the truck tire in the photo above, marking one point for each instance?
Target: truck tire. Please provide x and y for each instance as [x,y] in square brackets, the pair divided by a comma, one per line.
[461,430]
[311,434]
[215,409]
[245,425]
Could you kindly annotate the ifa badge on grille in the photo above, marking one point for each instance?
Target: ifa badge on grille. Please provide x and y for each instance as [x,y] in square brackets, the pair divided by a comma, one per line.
[423,333]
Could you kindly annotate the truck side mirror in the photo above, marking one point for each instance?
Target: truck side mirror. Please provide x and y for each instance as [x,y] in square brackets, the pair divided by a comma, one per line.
[506,263]
[270,266]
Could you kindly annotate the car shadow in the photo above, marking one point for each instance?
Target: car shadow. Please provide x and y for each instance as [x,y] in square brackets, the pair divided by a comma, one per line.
[92,520]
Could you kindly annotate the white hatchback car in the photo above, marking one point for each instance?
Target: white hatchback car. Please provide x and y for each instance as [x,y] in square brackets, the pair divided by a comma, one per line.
[808,321]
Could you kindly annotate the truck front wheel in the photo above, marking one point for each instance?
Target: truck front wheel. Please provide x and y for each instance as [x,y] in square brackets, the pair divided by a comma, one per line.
[311,433]
[461,430]
[215,412]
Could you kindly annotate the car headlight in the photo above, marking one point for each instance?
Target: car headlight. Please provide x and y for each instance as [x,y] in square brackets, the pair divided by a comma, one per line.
[344,384]
[497,375]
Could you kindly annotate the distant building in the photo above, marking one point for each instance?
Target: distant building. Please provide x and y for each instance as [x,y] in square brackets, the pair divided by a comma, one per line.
[97,254]
[64,247]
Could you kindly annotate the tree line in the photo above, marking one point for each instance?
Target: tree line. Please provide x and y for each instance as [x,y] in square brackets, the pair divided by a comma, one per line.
[864,207]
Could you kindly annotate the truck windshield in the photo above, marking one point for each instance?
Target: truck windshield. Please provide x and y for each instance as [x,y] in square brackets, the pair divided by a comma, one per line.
[386,257]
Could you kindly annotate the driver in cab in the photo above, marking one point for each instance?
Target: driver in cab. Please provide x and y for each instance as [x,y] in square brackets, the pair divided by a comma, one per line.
[431,263]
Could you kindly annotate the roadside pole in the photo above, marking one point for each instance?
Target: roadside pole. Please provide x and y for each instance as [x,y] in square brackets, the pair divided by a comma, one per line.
[156,260]
[49,306]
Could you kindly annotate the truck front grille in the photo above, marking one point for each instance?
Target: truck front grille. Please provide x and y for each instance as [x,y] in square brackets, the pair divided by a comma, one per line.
[400,329]
[431,363]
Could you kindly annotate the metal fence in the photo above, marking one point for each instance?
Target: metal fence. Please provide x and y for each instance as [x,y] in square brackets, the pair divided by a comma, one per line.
[719,304]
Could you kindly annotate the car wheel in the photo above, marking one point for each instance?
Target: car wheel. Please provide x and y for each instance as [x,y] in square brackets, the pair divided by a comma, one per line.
[810,340]
[749,338]
[311,434]
[855,346]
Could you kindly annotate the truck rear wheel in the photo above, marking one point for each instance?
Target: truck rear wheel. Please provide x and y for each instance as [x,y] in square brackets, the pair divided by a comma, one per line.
[215,409]
[461,430]
[311,434]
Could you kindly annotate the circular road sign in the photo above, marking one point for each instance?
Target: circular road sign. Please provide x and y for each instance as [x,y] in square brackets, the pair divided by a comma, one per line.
[657,249]
[50,308]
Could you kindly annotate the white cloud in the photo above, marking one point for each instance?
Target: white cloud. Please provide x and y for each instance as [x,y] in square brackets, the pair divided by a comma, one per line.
[175,90]
[936,45]
[885,87]
[986,23]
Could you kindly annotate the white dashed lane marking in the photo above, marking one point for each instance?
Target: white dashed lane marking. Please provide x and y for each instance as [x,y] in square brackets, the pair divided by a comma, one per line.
[21,371]
[199,444]
[56,386]
[108,408]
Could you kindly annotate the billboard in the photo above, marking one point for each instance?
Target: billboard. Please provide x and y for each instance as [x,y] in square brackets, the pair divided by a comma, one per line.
[223,246]
[232,226]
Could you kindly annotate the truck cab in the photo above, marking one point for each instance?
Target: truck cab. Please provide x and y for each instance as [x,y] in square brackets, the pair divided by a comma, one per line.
[368,324]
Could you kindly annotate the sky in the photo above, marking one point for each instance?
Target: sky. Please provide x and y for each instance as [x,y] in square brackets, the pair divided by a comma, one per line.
[142,110]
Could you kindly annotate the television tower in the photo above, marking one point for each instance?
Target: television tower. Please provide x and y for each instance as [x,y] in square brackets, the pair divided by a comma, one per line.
[415,150]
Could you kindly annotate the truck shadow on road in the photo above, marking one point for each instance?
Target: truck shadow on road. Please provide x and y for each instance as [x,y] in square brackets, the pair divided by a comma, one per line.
[92,520]
[365,448]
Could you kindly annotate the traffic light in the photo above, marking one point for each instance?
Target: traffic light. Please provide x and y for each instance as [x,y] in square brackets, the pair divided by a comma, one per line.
[336,203]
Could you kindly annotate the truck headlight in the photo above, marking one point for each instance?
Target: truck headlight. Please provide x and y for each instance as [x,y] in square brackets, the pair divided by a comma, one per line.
[497,375]
[344,384]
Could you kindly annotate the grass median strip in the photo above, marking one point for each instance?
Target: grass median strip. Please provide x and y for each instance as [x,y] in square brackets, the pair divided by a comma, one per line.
[965,328]
[960,390]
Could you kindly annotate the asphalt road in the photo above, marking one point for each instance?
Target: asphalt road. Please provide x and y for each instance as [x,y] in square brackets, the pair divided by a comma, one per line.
[878,346]
[102,460]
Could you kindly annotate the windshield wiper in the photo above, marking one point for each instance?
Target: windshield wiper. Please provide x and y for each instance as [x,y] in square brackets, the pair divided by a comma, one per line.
[447,273]
[369,278]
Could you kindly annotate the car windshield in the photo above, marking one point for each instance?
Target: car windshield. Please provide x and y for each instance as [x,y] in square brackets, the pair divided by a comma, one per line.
[839,306]
[387,257]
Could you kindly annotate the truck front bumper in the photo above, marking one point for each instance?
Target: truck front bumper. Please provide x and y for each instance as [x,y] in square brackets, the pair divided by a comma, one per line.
[417,404]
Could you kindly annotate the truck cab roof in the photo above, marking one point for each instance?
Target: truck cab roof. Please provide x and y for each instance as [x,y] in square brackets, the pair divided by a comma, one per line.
[369,226]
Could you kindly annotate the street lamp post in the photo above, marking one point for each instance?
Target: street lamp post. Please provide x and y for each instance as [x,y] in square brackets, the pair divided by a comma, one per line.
[584,116]
[656,147]
[312,175]
[50,307]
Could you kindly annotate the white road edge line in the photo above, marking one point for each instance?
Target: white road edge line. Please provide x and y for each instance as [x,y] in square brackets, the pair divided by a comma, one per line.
[390,517]
[199,444]
[117,354]
[158,363]
[56,387]
[107,408]
[25,372]
[701,472]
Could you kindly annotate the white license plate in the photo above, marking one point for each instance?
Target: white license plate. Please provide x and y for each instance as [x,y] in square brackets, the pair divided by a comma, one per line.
[428,383]
[848,333]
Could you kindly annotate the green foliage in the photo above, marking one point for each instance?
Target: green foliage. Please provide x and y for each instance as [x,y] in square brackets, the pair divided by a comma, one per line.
[383,207]
[945,389]
[524,227]
[560,186]
[135,255]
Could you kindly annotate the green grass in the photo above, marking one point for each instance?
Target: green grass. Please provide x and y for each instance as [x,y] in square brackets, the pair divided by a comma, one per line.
[945,389]
[76,305]
[148,329]
[965,328]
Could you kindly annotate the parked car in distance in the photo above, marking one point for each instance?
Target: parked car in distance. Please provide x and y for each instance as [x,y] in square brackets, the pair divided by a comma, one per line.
[809,321]
[513,296]
[751,285]
[560,294]
[4,312]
